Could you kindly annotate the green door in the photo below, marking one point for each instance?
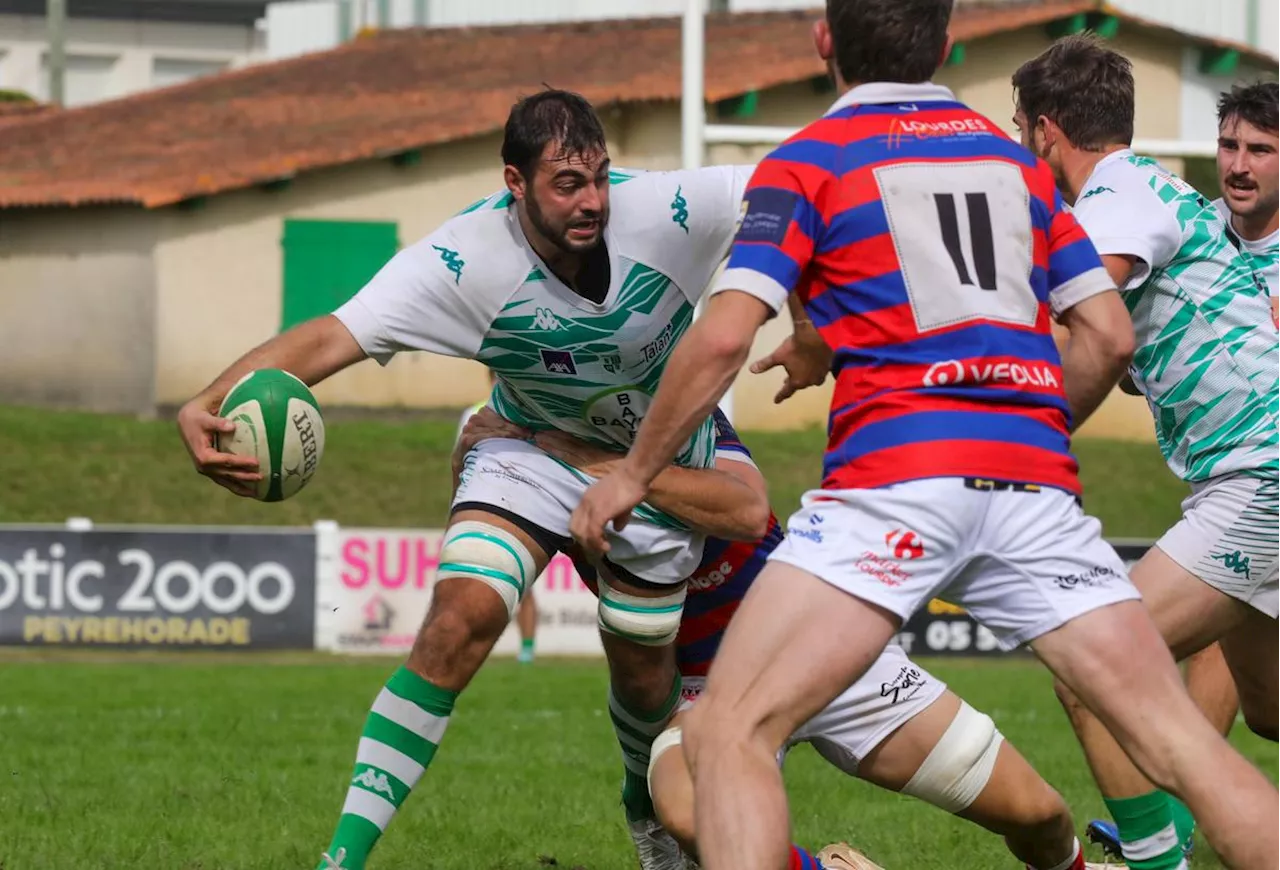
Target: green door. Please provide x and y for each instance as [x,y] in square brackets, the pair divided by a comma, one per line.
[327,262]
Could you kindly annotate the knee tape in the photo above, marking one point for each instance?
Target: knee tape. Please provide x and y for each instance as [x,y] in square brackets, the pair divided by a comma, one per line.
[492,556]
[646,621]
[669,739]
[960,765]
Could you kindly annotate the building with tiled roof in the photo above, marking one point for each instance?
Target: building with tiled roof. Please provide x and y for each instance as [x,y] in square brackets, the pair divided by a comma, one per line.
[146,242]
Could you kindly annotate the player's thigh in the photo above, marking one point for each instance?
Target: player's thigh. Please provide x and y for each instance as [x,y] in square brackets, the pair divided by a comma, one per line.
[793,645]
[486,562]
[1116,663]
[1189,613]
[1252,653]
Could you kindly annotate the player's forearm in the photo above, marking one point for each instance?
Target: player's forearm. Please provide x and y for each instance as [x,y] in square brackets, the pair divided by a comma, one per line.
[715,503]
[700,371]
[1091,367]
[311,351]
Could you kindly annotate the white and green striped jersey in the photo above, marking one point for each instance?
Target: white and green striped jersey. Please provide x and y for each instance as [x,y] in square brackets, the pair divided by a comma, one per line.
[476,289]
[1263,254]
[1207,353]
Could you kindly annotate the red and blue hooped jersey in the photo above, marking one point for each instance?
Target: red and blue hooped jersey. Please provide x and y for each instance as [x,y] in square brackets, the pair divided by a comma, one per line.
[931,252]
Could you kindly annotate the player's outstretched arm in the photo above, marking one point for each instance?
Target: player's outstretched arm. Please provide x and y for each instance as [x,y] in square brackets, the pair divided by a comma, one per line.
[1098,351]
[729,501]
[311,351]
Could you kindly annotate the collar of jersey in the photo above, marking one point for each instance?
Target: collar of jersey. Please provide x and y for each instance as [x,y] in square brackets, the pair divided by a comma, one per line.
[893,92]
[1113,157]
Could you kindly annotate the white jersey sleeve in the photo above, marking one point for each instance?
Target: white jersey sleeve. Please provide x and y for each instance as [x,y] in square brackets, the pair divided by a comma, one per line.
[682,222]
[1123,216]
[441,294]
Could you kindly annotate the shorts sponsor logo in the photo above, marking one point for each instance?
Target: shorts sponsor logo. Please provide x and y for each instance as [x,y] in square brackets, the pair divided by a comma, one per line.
[1100,575]
[905,686]
[1236,562]
[808,534]
[953,372]
[883,568]
[904,544]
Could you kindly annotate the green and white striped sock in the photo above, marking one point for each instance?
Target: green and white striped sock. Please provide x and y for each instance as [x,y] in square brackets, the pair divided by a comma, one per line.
[636,732]
[1148,834]
[399,739]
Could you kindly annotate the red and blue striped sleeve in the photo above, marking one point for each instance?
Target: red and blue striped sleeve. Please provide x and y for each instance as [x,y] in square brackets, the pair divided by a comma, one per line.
[781,224]
[1075,269]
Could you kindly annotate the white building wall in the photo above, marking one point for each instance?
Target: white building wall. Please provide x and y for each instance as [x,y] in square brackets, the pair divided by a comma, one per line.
[108,59]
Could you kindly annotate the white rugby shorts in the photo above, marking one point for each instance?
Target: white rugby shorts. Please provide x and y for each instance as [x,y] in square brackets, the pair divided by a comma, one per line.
[892,692]
[1021,560]
[1228,538]
[520,478]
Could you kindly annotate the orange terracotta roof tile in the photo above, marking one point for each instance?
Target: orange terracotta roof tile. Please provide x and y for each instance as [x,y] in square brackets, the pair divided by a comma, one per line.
[395,92]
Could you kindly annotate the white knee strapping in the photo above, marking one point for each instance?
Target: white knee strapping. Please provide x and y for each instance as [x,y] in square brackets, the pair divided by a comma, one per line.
[669,739]
[491,555]
[960,765]
[647,621]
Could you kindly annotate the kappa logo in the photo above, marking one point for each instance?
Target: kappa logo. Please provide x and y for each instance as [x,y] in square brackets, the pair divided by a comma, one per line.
[1096,191]
[375,782]
[680,206]
[452,262]
[1236,562]
[904,544]
[545,319]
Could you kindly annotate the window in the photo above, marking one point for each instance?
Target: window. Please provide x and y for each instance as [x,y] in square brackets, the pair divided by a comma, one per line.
[326,262]
[87,79]
[169,71]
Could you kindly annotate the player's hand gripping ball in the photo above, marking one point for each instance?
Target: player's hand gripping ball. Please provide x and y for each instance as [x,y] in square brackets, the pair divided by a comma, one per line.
[278,423]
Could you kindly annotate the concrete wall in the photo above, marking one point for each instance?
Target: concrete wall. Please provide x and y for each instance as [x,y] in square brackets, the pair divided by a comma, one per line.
[108,59]
[77,309]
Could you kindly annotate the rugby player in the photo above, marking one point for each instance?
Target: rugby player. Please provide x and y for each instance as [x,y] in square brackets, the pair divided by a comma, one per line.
[931,253]
[898,726]
[1207,363]
[1247,177]
[577,314]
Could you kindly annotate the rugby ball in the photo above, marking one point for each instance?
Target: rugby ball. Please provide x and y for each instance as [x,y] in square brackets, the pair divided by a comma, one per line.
[278,422]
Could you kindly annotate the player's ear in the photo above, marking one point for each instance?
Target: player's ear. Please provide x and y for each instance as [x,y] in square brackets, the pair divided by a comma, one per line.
[1046,135]
[822,39]
[946,49]
[514,180]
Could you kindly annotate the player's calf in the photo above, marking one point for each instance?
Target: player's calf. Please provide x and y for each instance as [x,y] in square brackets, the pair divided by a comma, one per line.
[484,569]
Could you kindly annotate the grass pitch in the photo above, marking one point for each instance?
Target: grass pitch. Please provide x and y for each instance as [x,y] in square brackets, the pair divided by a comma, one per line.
[201,761]
[395,474]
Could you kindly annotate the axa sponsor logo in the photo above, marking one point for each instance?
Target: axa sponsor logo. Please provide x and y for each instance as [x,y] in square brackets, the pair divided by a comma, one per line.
[953,372]
[375,782]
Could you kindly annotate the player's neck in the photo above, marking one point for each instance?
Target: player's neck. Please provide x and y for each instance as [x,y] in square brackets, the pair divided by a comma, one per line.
[566,265]
[1251,228]
[1078,165]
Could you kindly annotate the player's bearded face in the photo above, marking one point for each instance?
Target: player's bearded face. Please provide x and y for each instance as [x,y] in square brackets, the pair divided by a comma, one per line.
[1248,167]
[568,201]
